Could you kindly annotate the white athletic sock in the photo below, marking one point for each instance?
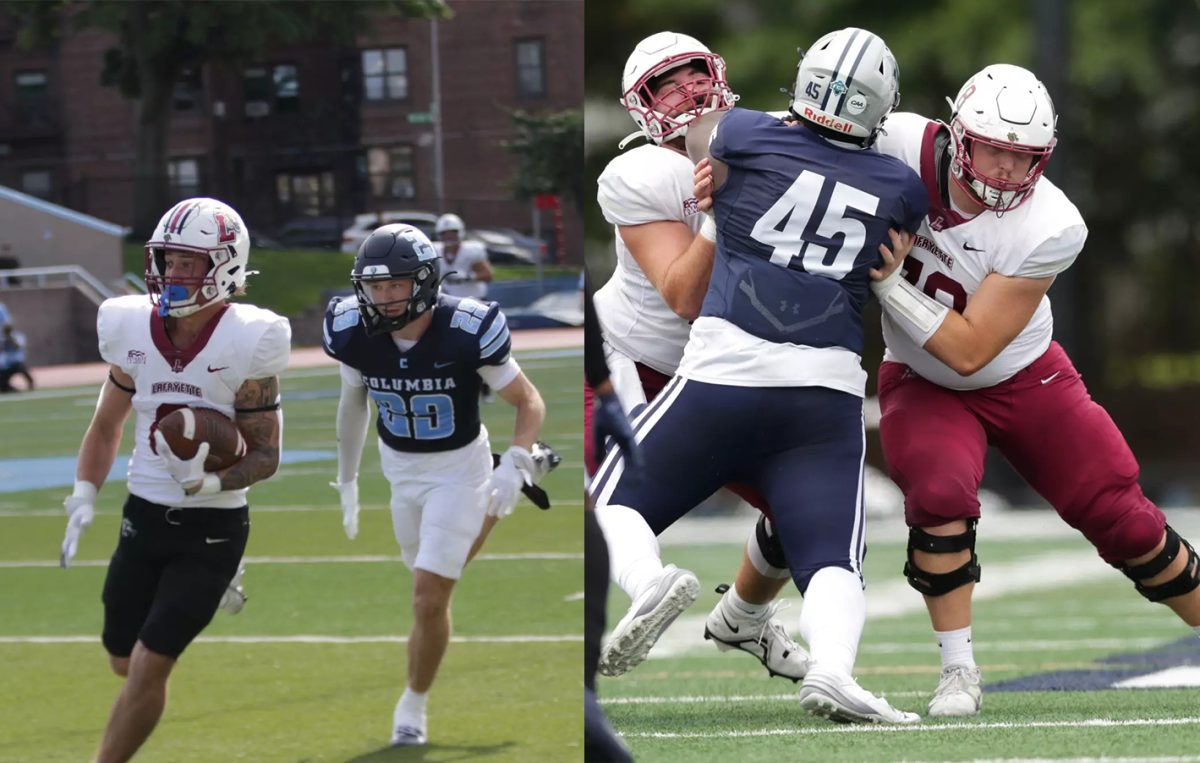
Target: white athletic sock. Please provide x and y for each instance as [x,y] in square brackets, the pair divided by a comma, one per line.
[738,607]
[956,647]
[410,710]
[831,620]
[633,555]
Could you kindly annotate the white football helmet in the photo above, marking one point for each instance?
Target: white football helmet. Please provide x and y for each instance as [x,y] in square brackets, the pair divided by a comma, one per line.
[449,222]
[656,55]
[197,226]
[1006,107]
[847,82]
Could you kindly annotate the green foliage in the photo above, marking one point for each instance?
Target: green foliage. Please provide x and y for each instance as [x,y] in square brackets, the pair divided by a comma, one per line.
[550,148]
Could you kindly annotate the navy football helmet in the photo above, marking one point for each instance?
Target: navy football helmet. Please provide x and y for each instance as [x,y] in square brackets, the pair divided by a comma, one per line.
[392,252]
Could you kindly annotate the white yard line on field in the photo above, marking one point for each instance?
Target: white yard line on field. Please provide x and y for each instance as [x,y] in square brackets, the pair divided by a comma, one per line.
[915,728]
[8,513]
[359,559]
[312,639]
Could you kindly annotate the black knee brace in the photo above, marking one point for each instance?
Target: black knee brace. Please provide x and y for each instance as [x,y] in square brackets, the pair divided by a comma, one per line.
[940,584]
[1185,582]
[768,543]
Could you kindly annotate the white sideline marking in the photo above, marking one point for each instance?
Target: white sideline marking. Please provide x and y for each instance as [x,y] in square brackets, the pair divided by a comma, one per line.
[253,509]
[308,639]
[701,700]
[363,559]
[577,596]
[915,727]
[1180,676]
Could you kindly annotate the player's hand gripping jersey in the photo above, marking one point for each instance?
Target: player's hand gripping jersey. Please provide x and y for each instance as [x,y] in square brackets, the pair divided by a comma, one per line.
[428,396]
[799,223]
[648,184]
[952,254]
[241,342]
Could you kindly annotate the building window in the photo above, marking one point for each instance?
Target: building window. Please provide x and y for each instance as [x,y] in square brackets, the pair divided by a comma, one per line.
[186,96]
[286,87]
[37,183]
[392,172]
[385,74]
[307,194]
[256,91]
[531,67]
[183,177]
[31,86]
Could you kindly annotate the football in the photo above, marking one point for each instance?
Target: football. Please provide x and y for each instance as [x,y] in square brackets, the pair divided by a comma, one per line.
[185,428]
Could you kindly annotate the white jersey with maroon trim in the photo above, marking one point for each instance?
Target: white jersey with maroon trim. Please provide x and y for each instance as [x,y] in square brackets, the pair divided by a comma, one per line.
[953,254]
[241,342]
[648,184]
[460,267]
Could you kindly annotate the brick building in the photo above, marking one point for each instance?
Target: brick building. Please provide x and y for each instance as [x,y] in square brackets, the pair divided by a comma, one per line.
[308,136]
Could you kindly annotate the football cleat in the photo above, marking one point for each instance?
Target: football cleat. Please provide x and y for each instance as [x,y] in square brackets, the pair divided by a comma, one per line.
[839,698]
[959,692]
[763,636]
[648,617]
[234,597]
[408,736]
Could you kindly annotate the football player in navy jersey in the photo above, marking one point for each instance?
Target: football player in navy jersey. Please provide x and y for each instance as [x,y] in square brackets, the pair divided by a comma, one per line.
[422,356]
[769,390]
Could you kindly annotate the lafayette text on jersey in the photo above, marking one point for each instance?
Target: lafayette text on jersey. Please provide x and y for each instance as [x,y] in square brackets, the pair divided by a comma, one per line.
[241,342]
[427,396]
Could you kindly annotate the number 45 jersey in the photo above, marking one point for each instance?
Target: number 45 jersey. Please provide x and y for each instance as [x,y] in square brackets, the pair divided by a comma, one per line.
[799,223]
[427,396]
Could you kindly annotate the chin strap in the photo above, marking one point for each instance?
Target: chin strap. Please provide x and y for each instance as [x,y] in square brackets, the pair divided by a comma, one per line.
[629,139]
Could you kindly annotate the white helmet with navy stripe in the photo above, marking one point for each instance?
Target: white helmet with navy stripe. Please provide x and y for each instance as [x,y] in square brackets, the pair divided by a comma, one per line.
[847,82]
[197,226]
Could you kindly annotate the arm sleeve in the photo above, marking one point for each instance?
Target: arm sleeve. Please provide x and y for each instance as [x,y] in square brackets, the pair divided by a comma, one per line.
[594,367]
[498,377]
[353,416]
[272,351]
[1052,256]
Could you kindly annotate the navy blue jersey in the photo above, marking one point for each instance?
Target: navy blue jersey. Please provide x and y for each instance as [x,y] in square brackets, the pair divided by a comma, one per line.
[799,223]
[428,396]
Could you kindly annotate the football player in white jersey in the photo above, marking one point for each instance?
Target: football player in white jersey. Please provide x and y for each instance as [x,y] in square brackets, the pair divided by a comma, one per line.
[183,529]
[970,362]
[644,309]
[468,270]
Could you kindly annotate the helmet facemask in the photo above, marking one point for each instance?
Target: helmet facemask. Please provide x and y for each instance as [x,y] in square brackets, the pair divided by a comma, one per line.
[994,193]
[656,115]
[176,295]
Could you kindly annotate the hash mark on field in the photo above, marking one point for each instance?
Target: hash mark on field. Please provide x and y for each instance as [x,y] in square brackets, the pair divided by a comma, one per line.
[916,727]
[310,639]
[363,559]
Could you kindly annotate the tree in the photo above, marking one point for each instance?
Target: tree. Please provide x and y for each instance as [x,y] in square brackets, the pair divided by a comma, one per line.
[156,40]
[550,148]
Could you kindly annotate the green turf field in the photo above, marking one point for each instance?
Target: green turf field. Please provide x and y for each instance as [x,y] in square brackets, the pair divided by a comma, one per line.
[704,705]
[311,669]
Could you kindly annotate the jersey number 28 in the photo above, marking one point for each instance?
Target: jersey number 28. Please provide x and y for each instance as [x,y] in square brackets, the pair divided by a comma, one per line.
[783,227]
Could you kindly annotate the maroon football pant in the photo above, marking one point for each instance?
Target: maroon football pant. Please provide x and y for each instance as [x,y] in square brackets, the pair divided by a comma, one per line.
[1048,427]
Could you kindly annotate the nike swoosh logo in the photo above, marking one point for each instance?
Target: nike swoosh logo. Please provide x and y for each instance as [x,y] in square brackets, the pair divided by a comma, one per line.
[443,365]
[1050,378]
[212,370]
[970,248]
[211,541]
[728,624]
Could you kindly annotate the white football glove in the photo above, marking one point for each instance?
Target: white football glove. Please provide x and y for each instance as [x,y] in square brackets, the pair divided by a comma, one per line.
[190,472]
[348,492]
[81,510]
[504,486]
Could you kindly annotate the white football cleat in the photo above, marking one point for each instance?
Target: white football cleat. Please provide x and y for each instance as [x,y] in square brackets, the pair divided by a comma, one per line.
[630,642]
[234,597]
[763,636]
[959,692]
[839,698]
[408,736]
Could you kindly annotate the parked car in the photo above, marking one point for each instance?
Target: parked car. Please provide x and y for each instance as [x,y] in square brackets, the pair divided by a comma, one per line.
[353,236]
[503,248]
[309,233]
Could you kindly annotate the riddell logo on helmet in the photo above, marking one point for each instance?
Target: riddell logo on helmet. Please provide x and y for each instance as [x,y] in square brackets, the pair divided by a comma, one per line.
[833,123]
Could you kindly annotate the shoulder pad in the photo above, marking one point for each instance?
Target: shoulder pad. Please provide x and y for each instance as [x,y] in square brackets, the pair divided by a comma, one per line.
[340,319]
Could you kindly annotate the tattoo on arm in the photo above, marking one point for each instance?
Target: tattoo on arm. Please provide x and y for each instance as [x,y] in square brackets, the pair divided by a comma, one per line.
[261,430]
